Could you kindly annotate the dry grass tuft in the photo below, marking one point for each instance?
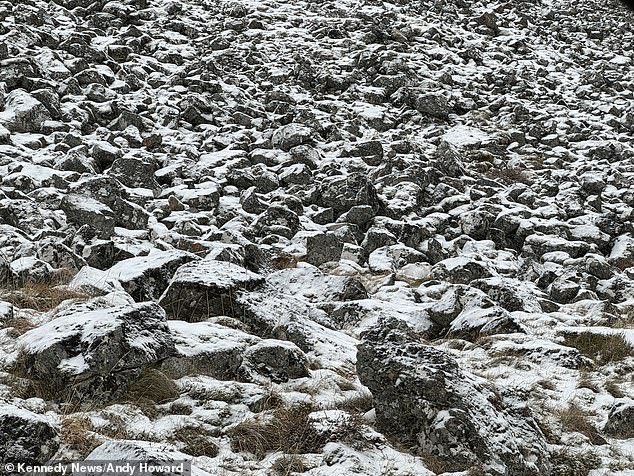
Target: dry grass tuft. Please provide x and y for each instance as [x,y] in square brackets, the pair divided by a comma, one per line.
[196,441]
[42,296]
[602,348]
[289,464]
[574,418]
[76,434]
[289,430]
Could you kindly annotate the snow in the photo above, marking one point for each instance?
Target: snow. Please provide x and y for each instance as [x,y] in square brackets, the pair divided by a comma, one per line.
[463,135]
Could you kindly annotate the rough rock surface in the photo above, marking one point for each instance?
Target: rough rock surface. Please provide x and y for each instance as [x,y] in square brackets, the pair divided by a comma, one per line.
[298,172]
[25,437]
[424,399]
[206,288]
[98,353]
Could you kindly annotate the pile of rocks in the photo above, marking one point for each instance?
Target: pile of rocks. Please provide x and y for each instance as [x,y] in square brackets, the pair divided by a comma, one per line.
[271,203]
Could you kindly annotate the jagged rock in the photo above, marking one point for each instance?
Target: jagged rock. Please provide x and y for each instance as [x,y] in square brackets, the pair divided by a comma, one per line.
[146,277]
[83,210]
[204,348]
[206,288]
[70,355]
[341,193]
[23,113]
[276,360]
[323,248]
[620,422]
[425,400]
[135,172]
[25,437]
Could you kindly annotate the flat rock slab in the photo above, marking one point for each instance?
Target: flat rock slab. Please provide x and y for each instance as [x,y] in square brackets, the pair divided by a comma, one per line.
[206,288]
[146,277]
[205,348]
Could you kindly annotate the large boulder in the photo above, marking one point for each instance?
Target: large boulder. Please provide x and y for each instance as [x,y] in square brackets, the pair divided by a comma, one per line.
[620,422]
[82,210]
[206,288]
[424,399]
[205,348]
[25,437]
[23,113]
[96,354]
[342,192]
[146,277]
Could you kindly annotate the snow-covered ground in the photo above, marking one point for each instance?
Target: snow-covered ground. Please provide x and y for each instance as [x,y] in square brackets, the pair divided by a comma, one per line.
[328,237]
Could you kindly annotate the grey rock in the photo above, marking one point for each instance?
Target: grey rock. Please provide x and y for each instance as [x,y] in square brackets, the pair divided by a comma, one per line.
[146,277]
[135,172]
[344,192]
[82,210]
[426,401]
[70,354]
[25,437]
[276,360]
[204,348]
[205,288]
[23,113]
[322,248]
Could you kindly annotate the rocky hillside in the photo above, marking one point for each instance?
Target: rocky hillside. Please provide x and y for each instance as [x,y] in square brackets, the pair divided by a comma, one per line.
[318,238]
